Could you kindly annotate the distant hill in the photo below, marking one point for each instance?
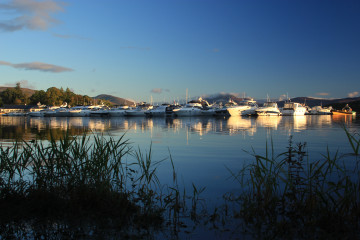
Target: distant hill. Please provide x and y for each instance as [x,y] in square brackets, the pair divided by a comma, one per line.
[324,102]
[221,97]
[114,100]
[27,91]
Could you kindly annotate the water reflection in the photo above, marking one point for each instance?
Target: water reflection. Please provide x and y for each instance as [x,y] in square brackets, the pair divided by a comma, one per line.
[17,128]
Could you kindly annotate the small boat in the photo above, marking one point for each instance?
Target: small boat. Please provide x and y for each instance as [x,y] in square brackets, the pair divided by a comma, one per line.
[347,110]
[268,109]
[293,109]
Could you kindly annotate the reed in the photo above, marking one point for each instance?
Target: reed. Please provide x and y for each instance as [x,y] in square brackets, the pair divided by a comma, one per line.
[101,181]
[290,196]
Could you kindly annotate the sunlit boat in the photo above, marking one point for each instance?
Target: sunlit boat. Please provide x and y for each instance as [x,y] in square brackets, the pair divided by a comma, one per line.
[319,110]
[293,109]
[246,107]
[192,108]
[268,109]
[347,110]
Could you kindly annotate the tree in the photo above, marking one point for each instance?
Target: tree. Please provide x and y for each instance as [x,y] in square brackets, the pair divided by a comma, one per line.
[54,96]
[39,96]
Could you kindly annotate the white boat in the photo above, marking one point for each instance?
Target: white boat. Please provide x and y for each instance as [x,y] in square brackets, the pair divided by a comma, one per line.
[159,111]
[79,111]
[293,109]
[246,107]
[138,111]
[209,111]
[40,113]
[99,111]
[268,109]
[192,108]
[119,111]
[14,114]
[62,112]
[319,110]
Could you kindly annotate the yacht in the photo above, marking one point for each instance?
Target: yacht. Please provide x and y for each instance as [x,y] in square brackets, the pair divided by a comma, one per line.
[119,111]
[192,108]
[222,111]
[319,110]
[138,111]
[268,109]
[293,109]
[99,111]
[246,107]
[79,111]
[40,113]
[159,111]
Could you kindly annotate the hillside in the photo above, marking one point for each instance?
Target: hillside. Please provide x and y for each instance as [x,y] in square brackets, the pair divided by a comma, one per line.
[114,100]
[324,102]
[27,91]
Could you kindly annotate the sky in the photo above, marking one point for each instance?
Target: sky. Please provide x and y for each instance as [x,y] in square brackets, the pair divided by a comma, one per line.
[143,50]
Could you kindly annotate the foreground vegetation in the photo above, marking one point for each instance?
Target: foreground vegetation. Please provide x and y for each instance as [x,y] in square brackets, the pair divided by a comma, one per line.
[101,187]
[288,196]
[77,188]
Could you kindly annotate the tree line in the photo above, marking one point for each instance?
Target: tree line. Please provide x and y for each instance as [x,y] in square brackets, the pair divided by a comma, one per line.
[51,97]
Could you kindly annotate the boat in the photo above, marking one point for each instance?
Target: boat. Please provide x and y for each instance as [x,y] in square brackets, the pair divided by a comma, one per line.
[99,111]
[119,111]
[245,107]
[138,111]
[319,110]
[293,109]
[347,110]
[159,111]
[209,111]
[268,109]
[14,114]
[79,111]
[192,108]
[40,113]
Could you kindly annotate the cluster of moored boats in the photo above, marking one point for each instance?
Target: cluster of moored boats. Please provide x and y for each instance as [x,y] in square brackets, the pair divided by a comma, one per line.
[198,107]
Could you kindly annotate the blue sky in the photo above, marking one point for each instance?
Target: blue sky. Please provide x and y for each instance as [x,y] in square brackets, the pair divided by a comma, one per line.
[138,49]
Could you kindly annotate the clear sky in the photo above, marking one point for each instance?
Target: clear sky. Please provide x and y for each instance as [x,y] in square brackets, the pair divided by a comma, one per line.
[136,49]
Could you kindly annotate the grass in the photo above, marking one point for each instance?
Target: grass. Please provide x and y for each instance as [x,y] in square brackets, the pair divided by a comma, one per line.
[103,182]
[288,196]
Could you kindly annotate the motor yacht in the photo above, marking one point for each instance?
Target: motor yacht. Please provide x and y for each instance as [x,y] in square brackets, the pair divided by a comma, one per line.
[119,111]
[159,111]
[192,108]
[138,111]
[246,107]
[293,109]
[319,110]
[268,109]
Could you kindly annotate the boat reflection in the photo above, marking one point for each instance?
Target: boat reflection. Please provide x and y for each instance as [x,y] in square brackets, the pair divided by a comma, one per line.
[294,123]
[22,128]
[268,121]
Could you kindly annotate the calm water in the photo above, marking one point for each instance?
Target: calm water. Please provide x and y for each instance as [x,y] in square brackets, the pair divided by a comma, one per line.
[201,147]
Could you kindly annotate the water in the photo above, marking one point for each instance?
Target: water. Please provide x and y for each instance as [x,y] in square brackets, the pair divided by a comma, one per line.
[202,148]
